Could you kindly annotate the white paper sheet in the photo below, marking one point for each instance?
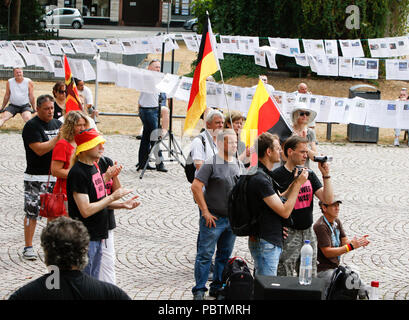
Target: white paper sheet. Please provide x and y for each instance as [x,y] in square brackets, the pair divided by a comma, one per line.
[345,67]
[403,115]
[331,48]
[364,68]
[183,90]
[107,71]
[58,65]
[301,59]
[351,48]
[357,111]
[260,57]
[67,46]
[313,47]
[397,69]
[18,46]
[168,84]
[115,46]
[54,47]
[190,41]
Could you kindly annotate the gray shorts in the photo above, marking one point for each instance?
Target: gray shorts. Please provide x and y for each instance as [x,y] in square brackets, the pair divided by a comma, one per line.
[13,109]
[32,190]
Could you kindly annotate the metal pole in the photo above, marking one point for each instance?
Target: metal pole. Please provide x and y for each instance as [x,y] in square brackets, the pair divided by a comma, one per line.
[96,58]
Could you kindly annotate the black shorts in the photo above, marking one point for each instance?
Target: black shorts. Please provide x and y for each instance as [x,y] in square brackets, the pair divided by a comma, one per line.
[13,109]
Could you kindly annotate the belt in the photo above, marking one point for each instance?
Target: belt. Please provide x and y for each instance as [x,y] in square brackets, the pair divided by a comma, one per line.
[148,107]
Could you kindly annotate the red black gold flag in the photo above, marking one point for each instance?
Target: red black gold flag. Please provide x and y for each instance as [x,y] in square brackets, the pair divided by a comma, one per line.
[207,65]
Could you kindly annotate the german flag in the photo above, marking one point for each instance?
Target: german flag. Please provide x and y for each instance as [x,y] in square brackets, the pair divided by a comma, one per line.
[207,65]
[72,101]
[263,116]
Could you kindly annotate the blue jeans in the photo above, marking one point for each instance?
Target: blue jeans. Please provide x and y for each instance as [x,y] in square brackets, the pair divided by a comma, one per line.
[149,118]
[223,237]
[94,259]
[266,256]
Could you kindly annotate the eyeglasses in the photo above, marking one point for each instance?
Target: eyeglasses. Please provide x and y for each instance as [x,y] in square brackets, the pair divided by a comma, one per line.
[304,113]
[61,91]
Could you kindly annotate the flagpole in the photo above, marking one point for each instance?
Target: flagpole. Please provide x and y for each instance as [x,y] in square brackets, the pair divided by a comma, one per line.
[96,58]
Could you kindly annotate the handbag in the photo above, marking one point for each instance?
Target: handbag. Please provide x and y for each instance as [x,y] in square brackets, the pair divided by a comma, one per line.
[52,204]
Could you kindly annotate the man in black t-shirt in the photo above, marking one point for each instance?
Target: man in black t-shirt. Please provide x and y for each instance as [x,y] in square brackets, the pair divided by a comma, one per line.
[266,244]
[65,242]
[296,151]
[40,134]
[87,198]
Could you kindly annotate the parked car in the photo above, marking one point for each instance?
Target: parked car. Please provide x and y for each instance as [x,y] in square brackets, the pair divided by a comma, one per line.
[62,17]
[191,24]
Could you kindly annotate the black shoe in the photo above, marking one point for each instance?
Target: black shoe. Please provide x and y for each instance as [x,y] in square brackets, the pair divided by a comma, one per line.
[214,292]
[139,137]
[148,167]
[161,168]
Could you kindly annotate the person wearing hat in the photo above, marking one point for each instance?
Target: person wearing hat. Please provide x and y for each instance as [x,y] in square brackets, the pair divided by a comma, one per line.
[302,116]
[332,241]
[87,197]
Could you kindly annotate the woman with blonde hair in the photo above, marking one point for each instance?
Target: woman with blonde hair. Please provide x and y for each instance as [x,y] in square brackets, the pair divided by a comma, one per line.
[74,123]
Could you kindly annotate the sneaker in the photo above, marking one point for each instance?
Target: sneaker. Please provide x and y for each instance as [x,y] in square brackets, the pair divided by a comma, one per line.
[29,254]
[396,142]
[199,295]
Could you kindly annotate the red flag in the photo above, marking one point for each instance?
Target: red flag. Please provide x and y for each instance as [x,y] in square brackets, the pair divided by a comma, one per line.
[72,101]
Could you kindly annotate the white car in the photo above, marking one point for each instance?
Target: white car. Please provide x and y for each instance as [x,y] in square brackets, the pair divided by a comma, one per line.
[62,17]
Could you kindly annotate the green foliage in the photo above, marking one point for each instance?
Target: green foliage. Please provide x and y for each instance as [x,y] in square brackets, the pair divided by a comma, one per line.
[30,14]
[199,8]
[308,19]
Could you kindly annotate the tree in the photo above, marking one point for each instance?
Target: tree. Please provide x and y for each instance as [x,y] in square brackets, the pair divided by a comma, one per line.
[24,16]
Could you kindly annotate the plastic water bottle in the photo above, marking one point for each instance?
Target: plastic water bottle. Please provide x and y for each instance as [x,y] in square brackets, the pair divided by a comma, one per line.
[374,294]
[305,276]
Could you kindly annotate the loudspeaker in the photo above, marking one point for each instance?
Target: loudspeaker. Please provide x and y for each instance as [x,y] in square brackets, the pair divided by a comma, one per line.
[287,288]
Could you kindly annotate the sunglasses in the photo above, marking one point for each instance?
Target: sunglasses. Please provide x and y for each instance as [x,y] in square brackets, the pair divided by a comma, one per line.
[304,113]
[61,91]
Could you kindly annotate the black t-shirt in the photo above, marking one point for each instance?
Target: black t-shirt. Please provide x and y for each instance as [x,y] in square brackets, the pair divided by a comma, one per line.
[269,223]
[302,214]
[74,285]
[36,130]
[84,178]
[58,112]
[104,163]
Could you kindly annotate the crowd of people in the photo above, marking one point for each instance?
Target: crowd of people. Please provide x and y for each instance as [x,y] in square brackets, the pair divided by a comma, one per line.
[65,154]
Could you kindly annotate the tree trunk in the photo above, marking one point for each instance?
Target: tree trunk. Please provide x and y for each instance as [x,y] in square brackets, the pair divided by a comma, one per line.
[15,17]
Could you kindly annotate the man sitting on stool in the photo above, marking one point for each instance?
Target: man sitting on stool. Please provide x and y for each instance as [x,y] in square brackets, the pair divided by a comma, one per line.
[332,241]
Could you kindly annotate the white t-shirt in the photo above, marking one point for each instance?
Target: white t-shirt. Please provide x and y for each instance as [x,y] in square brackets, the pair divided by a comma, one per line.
[197,150]
[87,94]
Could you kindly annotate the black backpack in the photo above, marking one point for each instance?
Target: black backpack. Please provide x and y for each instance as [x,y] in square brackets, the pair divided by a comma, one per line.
[189,167]
[237,281]
[344,284]
[243,221]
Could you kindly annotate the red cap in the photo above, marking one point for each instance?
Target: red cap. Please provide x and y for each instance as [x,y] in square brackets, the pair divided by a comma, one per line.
[87,140]
[375,284]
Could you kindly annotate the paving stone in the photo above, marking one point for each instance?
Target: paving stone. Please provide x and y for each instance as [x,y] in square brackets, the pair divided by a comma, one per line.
[156,243]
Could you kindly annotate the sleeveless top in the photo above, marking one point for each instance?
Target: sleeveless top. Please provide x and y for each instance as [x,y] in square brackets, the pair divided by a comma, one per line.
[19,92]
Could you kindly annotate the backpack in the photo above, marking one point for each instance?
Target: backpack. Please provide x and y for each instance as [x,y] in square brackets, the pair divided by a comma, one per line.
[189,167]
[344,284]
[243,221]
[237,281]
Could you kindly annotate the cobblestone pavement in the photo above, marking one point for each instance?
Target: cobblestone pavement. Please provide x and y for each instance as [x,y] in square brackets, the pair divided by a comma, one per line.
[156,242]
